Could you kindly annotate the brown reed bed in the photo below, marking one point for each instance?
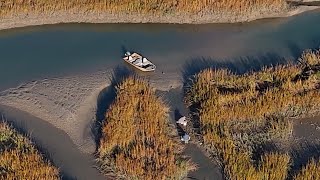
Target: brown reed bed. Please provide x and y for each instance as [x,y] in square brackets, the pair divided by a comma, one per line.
[136,140]
[19,159]
[310,172]
[237,163]
[239,113]
[14,7]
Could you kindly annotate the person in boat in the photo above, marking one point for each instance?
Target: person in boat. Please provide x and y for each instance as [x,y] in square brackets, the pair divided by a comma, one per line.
[130,59]
[185,138]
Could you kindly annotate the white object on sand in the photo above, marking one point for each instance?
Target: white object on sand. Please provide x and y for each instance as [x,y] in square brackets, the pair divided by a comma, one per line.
[182,121]
[185,138]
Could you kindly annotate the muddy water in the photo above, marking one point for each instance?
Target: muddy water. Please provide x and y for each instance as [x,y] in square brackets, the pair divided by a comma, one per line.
[308,129]
[55,144]
[56,50]
[207,169]
[306,141]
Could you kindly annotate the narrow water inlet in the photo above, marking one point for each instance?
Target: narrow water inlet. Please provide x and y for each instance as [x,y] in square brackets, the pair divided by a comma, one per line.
[34,53]
[55,144]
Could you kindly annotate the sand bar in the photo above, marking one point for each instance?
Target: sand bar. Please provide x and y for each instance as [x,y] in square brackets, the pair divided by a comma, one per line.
[69,103]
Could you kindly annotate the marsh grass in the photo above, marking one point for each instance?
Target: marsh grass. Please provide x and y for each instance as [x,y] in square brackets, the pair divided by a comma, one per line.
[20,160]
[136,140]
[310,172]
[237,162]
[14,7]
[238,113]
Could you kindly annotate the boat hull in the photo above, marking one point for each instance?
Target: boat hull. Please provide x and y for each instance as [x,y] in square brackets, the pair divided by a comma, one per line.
[141,69]
[126,59]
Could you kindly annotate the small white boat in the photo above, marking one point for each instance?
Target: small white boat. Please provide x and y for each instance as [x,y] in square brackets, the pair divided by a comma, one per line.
[139,62]
[182,121]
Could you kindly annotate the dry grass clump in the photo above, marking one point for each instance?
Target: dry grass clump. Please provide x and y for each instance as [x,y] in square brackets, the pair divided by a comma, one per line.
[310,58]
[223,96]
[20,160]
[239,113]
[14,7]
[135,139]
[238,164]
[310,172]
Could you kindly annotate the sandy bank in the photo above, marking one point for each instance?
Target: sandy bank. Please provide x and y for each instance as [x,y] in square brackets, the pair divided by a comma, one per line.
[22,20]
[67,106]
[69,103]
[55,144]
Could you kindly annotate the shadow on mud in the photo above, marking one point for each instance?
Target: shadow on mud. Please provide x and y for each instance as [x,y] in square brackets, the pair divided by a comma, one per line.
[105,99]
[302,155]
[23,128]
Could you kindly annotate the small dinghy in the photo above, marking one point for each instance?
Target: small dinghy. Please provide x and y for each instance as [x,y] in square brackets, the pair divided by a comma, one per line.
[182,121]
[139,62]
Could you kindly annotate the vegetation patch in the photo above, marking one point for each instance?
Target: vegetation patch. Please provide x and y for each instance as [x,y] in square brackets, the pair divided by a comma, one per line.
[19,159]
[136,140]
[240,116]
[14,7]
[310,172]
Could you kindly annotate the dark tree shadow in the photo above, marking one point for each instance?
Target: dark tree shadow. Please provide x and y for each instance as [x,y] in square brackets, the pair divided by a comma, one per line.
[21,128]
[105,99]
[302,155]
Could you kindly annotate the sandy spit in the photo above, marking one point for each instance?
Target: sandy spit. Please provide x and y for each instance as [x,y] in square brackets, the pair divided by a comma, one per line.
[55,144]
[22,20]
[59,113]
[69,103]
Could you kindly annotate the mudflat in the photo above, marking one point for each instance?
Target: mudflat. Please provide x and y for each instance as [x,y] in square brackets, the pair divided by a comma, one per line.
[55,144]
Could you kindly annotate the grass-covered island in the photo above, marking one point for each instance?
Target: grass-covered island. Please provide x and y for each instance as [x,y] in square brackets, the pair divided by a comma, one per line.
[137,140]
[242,119]
[19,159]
[138,6]
[17,13]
